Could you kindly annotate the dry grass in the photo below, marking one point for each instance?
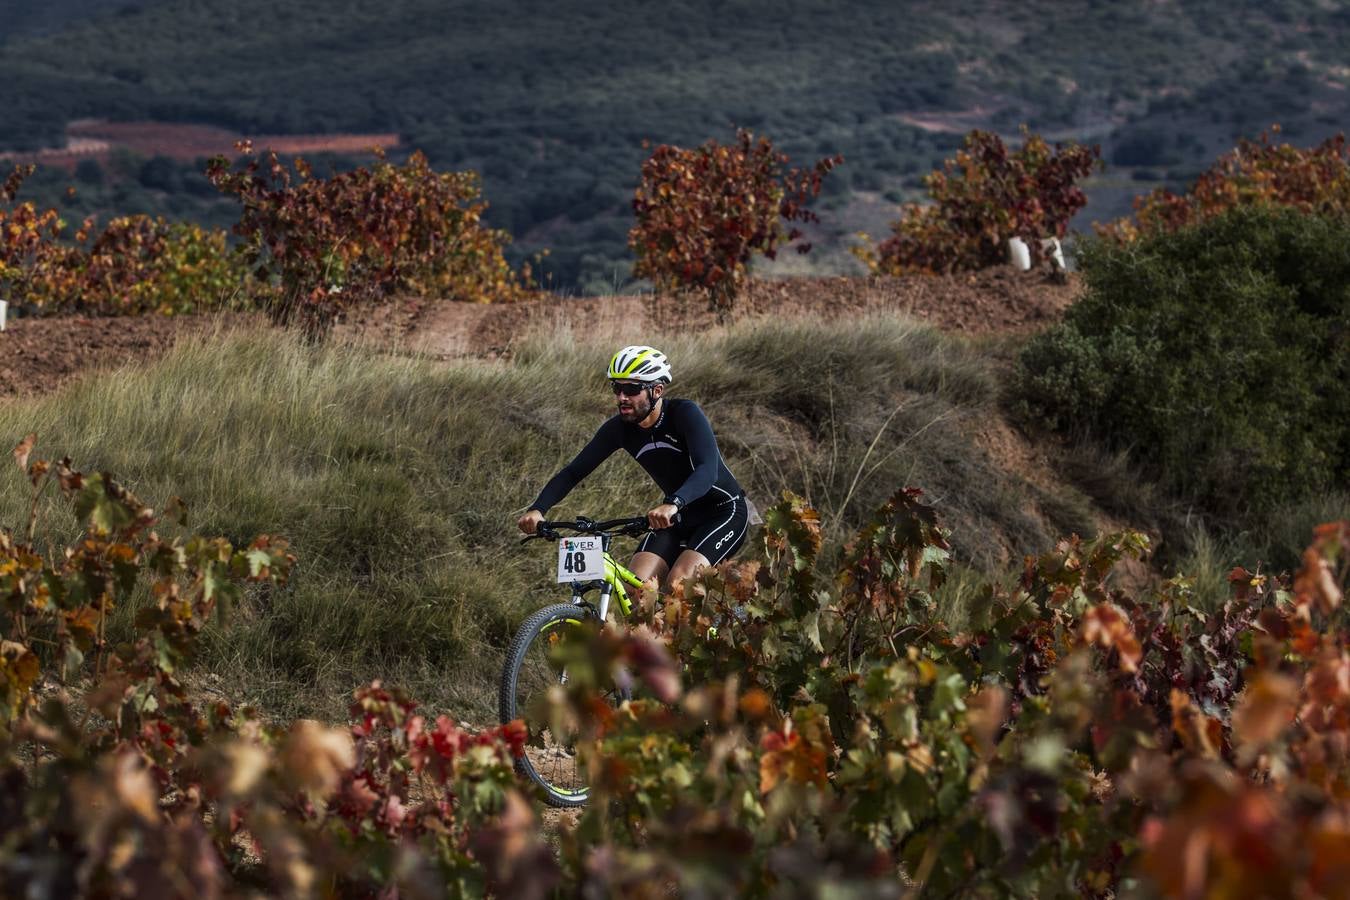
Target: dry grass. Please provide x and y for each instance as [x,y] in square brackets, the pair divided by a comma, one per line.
[398,478]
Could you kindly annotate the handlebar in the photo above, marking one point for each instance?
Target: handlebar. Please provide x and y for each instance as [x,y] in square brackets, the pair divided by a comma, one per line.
[634,526]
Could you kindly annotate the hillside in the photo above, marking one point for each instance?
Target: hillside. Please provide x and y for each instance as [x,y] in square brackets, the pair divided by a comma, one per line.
[42,354]
[365,459]
[23,19]
[552,101]
[917,650]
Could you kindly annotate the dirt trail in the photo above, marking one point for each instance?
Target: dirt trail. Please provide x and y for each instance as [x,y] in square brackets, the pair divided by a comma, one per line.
[37,355]
[98,139]
[997,300]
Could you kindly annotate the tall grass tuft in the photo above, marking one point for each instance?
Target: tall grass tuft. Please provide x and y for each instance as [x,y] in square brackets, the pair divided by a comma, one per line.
[1276,549]
[398,479]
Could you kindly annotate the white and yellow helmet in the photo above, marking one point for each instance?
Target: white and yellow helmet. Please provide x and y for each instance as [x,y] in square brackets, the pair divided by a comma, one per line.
[639,363]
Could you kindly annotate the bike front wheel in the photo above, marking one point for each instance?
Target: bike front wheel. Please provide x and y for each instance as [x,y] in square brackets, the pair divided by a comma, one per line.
[532,670]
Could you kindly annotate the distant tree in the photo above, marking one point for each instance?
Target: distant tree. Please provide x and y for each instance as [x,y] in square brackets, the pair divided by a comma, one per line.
[161,173]
[89,172]
[1146,147]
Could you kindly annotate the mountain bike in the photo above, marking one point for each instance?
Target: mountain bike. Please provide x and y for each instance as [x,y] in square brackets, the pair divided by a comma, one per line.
[532,666]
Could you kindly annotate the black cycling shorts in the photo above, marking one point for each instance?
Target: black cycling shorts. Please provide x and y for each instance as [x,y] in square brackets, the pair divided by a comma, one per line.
[716,533]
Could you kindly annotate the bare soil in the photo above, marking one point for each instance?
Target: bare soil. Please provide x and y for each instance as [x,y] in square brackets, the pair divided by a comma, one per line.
[98,139]
[37,355]
[993,301]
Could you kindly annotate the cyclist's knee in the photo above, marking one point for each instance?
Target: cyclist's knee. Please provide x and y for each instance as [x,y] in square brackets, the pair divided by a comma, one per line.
[687,566]
[648,566]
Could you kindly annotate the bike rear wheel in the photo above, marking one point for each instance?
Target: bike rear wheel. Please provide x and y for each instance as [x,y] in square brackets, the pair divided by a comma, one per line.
[531,670]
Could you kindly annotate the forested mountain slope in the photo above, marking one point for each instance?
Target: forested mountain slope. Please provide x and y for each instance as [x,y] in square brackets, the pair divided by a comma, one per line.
[22,18]
[551,101]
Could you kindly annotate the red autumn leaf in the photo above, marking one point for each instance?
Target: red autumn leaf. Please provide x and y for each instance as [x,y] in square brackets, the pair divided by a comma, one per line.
[1265,708]
[1202,735]
[1315,584]
[786,756]
[1105,625]
[654,664]
[23,449]
[756,705]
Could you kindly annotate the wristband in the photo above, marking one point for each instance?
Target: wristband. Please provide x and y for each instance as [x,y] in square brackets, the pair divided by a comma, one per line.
[675,502]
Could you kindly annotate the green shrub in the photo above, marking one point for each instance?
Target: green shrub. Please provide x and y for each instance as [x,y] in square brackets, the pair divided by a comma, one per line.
[1217,354]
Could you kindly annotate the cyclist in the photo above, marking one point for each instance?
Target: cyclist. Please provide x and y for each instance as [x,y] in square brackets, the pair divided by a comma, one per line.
[672,440]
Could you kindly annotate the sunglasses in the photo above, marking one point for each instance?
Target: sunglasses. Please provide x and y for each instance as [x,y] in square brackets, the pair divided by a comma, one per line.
[627,388]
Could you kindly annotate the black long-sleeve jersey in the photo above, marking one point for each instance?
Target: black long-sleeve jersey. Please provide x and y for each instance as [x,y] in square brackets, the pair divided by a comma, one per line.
[679,452]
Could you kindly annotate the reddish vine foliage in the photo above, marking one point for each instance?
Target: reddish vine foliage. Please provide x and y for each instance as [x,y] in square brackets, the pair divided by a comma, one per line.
[1069,734]
[354,237]
[983,197]
[703,213]
[1314,180]
[828,730]
[133,265]
[120,781]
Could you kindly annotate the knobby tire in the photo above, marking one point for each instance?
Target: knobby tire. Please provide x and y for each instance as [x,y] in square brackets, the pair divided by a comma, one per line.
[552,767]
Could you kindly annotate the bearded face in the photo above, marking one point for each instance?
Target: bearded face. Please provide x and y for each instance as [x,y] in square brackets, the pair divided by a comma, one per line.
[637,407]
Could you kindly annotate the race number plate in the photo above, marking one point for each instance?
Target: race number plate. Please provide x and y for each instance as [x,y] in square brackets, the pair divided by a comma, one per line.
[581,559]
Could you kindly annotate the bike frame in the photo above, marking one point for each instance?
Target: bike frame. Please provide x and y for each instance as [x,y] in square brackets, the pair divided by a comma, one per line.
[614,582]
[612,586]
[616,574]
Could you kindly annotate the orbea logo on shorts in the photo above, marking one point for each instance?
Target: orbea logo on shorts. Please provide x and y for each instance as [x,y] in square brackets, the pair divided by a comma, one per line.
[726,537]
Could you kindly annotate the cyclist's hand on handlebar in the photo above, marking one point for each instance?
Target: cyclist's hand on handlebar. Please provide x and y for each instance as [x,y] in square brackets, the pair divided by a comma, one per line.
[662,516]
[530,521]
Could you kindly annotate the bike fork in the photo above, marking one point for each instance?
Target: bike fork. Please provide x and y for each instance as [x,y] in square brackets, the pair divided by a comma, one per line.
[579,599]
[602,609]
[606,589]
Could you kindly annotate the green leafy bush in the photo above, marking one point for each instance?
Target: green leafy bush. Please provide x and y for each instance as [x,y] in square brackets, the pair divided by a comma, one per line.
[1219,354]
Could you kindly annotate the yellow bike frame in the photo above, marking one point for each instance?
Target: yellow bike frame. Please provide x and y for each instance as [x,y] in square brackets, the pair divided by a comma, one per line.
[616,576]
